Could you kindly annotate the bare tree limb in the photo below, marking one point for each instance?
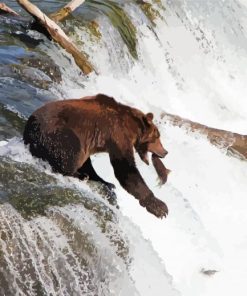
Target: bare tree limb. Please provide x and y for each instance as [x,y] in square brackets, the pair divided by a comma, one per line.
[66,10]
[58,35]
[236,144]
[5,9]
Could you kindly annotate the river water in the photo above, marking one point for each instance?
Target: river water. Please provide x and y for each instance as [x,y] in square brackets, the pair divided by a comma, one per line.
[59,236]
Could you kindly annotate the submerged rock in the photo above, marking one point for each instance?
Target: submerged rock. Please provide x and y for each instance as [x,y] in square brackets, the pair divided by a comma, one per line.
[46,65]
[11,124]
[55,238]
[31,75]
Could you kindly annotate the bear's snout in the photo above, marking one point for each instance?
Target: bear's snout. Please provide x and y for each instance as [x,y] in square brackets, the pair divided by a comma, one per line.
[164,153]
[157,148]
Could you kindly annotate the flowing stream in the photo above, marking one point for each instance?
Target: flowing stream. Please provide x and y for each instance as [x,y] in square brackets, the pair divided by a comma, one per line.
[60,236]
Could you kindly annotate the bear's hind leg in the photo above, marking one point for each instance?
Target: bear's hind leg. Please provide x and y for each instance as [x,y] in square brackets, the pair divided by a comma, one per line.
[87,171]
[61,149]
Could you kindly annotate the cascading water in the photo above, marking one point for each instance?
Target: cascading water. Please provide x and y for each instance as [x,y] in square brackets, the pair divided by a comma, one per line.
[58,235]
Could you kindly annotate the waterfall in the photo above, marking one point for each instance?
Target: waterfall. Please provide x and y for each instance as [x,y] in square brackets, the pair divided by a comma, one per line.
[60,236]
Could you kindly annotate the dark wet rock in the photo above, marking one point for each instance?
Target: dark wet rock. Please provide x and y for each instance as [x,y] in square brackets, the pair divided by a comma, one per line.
[31,191]
[27,39]
[30,75]
[44,64]
[12,22]
[20,47]
[21,96]
[36,26]
[11,124]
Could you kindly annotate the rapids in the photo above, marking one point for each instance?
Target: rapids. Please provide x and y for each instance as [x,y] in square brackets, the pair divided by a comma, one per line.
[58,236]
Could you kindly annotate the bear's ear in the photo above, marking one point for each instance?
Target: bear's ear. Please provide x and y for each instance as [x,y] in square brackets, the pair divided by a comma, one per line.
[149,117]
[146,121]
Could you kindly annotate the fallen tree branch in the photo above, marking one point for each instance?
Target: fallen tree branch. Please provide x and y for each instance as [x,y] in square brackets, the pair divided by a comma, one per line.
[58,35]
[5,9]
[66,10]
[236,144]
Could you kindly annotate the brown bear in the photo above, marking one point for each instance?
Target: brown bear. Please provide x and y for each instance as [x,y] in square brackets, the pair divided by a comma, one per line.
[66,133]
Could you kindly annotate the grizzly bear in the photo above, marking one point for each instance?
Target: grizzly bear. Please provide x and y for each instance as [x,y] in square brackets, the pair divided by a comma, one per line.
[65,133]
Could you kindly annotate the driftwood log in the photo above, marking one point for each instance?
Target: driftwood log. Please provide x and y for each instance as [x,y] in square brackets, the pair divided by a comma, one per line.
[58,35]
[66,10]
[236,144]
[5,9]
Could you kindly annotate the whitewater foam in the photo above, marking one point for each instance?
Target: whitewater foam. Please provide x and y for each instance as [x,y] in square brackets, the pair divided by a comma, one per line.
[193,66]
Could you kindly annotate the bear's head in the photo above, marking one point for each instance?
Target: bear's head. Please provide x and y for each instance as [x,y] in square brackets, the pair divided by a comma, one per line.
[149,139]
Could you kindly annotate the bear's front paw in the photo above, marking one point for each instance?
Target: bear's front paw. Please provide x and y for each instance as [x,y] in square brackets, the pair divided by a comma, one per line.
[155,206]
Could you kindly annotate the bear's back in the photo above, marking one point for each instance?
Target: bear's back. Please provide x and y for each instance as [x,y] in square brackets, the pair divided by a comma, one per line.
[74,112]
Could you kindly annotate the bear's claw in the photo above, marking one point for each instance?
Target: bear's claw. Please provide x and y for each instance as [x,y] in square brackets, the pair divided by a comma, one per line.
[155,207]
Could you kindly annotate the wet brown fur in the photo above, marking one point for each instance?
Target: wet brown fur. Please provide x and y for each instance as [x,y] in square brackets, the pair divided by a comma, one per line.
[66,133]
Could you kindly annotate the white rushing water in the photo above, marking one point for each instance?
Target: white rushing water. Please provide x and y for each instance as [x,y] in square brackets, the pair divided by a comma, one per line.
[195,66]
